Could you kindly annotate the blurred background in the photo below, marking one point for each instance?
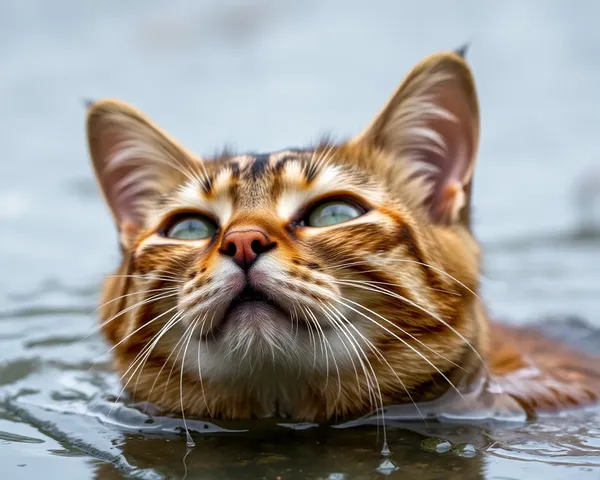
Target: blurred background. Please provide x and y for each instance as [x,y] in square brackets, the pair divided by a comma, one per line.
[264,75]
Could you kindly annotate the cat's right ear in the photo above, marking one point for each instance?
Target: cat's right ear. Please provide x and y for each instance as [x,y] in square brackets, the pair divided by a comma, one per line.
[134,162]
[431,125]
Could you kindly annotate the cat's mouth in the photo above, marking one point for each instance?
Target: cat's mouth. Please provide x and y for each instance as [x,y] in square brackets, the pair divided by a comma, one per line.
[250,296]
[251,306]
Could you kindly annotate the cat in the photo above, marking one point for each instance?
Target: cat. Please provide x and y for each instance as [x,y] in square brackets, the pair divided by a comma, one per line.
[318,283]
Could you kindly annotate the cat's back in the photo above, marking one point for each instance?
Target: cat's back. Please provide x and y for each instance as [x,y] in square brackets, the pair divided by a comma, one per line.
[547,366]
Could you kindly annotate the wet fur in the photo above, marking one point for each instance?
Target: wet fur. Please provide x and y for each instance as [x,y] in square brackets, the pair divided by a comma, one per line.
[405,276]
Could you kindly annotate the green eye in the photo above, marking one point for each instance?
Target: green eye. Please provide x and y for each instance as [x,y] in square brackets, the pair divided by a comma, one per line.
[191,228]
[332,213]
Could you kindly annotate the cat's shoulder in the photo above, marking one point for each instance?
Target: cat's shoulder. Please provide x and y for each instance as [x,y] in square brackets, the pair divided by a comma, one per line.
[547,366]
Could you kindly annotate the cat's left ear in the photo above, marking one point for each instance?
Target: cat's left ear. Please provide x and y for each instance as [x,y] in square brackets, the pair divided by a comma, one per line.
[431,123]
[135,162]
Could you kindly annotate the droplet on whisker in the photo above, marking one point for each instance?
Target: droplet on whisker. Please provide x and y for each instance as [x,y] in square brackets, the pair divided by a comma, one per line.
[189,441]
[385,450]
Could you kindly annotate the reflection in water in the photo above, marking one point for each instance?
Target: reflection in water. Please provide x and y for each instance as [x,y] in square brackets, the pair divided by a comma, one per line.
[296,455]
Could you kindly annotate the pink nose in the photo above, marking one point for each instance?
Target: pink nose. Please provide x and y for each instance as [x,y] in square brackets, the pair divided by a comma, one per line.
[244,246]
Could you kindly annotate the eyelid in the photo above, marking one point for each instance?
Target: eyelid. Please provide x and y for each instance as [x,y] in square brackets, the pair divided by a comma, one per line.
[176,216]
[351,198]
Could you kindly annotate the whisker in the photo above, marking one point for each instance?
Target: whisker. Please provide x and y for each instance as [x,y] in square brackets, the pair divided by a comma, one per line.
[145,301]
[403,285]
[190,442]
[405,260]
[433,315]
[147,277]
[326,344]
[337,328]
[200,366]
[106,322]
[358,348]
[139,360]
[442,374]
[179,343]
[163,290]
[311,336]
[381,358]
[145,324]
[180,316]
[147,349]
[405,332]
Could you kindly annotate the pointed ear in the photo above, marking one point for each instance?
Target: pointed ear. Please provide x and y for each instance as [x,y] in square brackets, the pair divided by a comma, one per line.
[134,162]
[431,124]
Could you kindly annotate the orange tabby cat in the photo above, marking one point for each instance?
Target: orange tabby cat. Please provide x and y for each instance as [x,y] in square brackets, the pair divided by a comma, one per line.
[317,283]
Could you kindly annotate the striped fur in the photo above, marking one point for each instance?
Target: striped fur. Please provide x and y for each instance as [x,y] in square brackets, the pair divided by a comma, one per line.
[381,309]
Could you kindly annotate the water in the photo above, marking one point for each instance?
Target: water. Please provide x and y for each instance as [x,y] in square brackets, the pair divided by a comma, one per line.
[262,76]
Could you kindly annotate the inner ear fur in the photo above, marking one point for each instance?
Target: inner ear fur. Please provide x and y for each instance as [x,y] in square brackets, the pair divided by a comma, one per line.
[134,162]
[431,125]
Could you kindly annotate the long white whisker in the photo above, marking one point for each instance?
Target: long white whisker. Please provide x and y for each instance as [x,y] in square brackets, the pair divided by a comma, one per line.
[163,290]
[439,270]
[148,277]
[139,360]
[200,364]
[400,285]
[408,334]
[433,315]
[380,356]
[327,344]
[145,301]
[145,324]
[358,348]
[145,352]
[342,302]
[190,442]
[337,328]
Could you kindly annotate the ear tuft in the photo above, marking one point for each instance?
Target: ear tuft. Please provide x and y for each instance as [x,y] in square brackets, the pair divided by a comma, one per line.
[463,49]
[431,126]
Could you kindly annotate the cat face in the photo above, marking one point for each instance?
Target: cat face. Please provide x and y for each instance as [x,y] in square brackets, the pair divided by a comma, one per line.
[311,282]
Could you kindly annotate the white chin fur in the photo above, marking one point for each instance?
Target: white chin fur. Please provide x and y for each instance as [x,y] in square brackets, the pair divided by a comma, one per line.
[257,344]
[256,332]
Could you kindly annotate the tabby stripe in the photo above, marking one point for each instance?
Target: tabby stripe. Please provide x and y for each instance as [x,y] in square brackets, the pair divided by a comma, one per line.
[408,238]
[259,166]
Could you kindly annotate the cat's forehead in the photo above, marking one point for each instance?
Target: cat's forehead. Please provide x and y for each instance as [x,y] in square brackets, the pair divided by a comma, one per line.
[259,168]
[280,182]
[259,179]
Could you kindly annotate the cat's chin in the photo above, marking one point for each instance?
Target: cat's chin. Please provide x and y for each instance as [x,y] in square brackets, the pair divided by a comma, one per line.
[254,316]
[253,332]
[251,312]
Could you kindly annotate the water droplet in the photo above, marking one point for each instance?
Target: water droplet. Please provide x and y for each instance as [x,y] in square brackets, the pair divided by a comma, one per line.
[435,445]
[386,467]
[465,450]
[189,441]
[385,450]
[336,476]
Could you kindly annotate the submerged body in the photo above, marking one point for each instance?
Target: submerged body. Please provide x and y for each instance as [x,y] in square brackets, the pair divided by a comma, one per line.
[316,283]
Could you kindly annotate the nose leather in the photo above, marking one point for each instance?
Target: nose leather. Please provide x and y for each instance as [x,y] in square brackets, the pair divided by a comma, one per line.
[245,246]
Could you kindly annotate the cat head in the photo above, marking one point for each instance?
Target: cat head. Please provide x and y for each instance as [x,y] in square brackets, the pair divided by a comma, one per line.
[339,275]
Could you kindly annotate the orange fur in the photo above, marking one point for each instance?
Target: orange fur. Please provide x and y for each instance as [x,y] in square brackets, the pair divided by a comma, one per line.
[381,309]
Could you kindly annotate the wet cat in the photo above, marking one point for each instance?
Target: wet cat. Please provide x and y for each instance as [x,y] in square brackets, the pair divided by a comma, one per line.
[314,283]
